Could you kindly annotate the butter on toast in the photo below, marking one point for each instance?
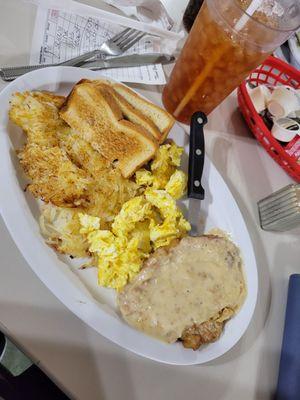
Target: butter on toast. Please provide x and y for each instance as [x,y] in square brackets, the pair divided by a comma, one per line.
[95,115]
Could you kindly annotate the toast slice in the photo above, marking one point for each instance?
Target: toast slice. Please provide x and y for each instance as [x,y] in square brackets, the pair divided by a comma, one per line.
[161,118]
[130,113]
[94,114]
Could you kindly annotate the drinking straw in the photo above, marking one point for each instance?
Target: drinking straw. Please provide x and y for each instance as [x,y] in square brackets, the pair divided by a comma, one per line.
[215,58]
[248,13]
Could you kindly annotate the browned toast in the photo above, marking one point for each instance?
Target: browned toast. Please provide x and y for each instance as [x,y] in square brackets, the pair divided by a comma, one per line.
[161,118]
[95,115]
[131,113]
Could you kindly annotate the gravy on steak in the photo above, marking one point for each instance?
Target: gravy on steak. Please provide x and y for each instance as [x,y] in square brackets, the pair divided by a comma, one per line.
[185,286]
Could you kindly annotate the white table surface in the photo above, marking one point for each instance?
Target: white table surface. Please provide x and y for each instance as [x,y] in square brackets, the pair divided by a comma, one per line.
[88,366]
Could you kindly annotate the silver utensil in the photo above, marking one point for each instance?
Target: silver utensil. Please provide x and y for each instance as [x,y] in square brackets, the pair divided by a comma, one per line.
[112,47]
[196,163]
[281,210]
[133,60]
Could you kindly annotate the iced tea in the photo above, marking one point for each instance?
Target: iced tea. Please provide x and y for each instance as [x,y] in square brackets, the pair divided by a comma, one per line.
[217,57]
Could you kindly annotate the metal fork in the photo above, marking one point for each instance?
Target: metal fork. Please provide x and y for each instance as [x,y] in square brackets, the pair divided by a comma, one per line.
[112,47]
[281,210]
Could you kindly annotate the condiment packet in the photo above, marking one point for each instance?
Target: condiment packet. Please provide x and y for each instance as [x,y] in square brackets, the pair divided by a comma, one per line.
[260,95]
[285,129]
[283,102]
[293,148]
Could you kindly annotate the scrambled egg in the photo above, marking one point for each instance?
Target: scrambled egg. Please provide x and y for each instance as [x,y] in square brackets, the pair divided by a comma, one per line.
[119,258]
[91,209]
[162,167]
[145,222]
[173,224]
[177,184]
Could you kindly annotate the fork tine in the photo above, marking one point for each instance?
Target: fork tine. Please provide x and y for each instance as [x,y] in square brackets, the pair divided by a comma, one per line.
[126,38]
[123,35]
[120,35]
[132,42]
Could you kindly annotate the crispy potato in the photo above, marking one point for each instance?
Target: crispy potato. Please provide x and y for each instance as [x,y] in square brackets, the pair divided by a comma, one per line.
[55,157]
[37,114]
[55,178]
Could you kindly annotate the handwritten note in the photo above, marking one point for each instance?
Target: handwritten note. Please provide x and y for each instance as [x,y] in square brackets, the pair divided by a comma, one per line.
[59,36]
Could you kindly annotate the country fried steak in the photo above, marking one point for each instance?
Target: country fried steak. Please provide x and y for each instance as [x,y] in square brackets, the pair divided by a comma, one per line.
[186,292]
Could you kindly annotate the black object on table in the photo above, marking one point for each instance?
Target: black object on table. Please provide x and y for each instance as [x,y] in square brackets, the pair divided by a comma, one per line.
[32,384]
[191,13]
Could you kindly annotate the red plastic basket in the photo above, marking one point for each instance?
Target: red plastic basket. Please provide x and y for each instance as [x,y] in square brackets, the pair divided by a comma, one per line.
[272,72]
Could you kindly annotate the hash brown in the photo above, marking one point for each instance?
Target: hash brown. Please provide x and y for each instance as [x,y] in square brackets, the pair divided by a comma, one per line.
[64,169]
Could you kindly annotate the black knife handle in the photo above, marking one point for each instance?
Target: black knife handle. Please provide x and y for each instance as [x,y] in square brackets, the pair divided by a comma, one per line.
[196,156]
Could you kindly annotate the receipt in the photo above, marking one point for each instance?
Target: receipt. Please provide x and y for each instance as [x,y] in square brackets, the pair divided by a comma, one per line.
[60,35]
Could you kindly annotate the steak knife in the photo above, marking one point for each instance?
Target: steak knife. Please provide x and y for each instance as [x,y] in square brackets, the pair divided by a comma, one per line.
[196,192]
[133,60]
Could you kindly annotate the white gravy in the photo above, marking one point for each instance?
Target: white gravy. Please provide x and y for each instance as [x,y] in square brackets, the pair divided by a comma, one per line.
[188,285]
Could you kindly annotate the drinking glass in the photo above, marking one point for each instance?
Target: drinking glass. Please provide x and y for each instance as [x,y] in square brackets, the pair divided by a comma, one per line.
[224,45]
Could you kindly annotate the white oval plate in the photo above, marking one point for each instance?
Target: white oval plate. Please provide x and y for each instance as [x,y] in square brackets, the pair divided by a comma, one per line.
[78,290]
